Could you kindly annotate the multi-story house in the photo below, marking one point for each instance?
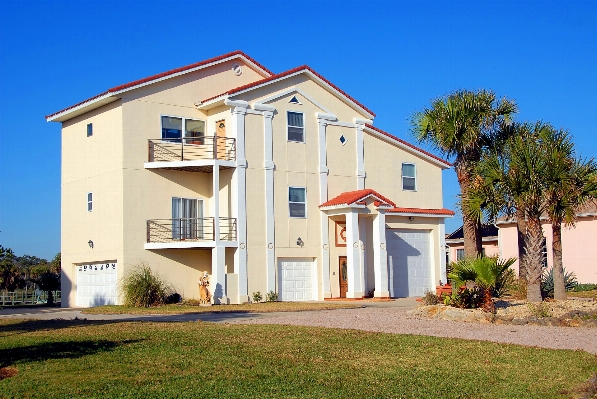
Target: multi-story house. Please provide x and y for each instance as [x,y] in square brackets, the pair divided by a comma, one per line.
[267,182]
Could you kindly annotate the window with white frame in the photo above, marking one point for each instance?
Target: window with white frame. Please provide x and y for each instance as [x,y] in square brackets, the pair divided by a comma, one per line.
[409,177]
[178,128]
[89,202]
[296,127]
[187,218]
[297,202]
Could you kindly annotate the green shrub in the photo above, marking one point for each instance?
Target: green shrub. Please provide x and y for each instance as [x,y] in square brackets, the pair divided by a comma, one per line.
[540,309]
[271,297]
[430,298]
[584,287]
[257,297]
[490,273]
[547,282]
[467,298]
[141,287]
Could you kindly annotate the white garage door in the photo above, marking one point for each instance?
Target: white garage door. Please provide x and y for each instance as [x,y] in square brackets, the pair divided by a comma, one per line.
[295,279]
[96,284]
[409,262]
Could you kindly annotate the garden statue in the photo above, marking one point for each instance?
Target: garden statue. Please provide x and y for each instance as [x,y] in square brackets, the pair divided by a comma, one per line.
[204,295]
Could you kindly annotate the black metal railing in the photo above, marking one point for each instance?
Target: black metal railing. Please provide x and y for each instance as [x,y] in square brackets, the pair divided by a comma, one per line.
[189,229]
[192,149]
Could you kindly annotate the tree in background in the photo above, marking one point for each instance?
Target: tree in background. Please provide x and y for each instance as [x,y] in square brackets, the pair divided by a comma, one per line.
[465,124]
[10,276]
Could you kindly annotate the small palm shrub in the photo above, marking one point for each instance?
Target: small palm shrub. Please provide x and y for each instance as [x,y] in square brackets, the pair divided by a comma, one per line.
[547,282]
[271,297]
[142,287]
[490,273]
[257,297]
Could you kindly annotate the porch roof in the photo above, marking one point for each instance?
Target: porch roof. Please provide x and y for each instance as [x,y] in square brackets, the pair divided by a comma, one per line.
[357,198]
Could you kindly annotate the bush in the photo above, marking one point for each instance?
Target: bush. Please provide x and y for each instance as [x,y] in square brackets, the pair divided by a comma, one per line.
[540,309]
[518,289]
[430,298]
[467,298]
[257,297]
[271,297]
[490,273]
[547,282]
[141,287]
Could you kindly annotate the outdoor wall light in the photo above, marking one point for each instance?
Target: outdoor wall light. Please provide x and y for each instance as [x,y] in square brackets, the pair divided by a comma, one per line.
[300,242]
[411,218]
[90,244]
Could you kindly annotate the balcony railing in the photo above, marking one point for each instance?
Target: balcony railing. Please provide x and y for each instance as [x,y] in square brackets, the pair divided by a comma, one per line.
[192,149]
[189,230]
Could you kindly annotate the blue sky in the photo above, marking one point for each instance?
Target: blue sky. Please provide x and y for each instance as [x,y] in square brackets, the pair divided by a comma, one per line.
[394,57]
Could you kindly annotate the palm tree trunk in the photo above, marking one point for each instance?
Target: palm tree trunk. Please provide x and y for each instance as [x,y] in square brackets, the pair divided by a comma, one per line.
[534,266]
[559,286]
[521,225]
[470,227]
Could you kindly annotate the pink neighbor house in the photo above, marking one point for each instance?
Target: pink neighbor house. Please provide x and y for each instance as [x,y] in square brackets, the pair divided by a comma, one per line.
[455,243]
[579,244]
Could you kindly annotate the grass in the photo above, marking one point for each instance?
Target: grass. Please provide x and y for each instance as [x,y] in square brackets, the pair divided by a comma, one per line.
[93,359]
[247,308]
[582,294]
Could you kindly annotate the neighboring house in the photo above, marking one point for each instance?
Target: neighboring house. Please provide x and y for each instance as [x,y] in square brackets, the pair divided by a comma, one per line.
[455,242]
[268,182]
[579,248]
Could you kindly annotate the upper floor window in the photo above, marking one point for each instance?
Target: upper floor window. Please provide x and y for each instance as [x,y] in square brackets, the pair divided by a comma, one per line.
[89,202]
[89,129]
[175,129]
[297,202]
[409,177]
[296,127]
[459,254]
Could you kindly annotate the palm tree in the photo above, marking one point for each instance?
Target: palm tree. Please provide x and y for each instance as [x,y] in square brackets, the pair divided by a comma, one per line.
[570,184]
[463,125]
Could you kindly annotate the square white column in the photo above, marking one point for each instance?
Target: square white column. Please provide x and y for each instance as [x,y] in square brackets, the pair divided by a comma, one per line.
[380,256]
[353,254]
[217,281]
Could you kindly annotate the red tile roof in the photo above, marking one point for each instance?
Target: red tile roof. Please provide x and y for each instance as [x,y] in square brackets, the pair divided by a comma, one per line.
[161,75]
[286,73]
[422,211]
[357,196]
[406,143]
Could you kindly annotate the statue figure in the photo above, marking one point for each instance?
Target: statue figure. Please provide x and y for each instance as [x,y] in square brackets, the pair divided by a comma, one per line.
[204,294]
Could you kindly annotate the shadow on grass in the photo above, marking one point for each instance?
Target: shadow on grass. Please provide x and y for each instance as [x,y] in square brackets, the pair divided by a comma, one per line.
[57,350]
[20,326]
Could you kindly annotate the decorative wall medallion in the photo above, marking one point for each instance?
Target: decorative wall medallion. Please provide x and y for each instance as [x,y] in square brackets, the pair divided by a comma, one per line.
[325,247]
[270,245]
[355,245]
[382,245]
[242,245]
[237,69]
[340,234]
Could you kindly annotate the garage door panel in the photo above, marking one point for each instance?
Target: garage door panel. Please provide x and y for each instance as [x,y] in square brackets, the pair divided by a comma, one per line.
[96,284]
[296,279]
[409,262]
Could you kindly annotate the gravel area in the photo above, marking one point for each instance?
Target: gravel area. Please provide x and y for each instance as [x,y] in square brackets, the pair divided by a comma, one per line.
[396,320]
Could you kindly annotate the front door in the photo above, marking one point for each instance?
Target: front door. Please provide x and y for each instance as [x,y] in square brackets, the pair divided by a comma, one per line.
[343,267]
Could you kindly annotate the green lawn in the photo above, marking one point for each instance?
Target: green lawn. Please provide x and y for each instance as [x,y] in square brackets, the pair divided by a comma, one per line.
[264,307]
[93,359]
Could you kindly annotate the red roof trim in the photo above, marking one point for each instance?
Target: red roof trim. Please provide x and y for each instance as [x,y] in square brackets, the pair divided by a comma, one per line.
[163,74]
[357,196]
[442,211]
[406,143]
[286,73]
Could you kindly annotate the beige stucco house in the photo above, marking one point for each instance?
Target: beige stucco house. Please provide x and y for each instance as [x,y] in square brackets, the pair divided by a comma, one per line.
[268,182]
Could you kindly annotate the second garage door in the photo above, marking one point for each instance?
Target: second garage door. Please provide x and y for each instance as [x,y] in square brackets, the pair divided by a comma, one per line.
[409,262]
[96,284]
[295,279]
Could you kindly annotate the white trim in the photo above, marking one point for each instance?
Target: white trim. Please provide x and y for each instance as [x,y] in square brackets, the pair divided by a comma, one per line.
[297,217]
[268,133]
[355,268]
[304,127]
[293,90]
[342,124]
[115,94]
[217,283]
[422,215]
[360,157]
[323,218]
[189,244]
[264,107]
[406,148]
[408,177]
[183,164]
[380,257]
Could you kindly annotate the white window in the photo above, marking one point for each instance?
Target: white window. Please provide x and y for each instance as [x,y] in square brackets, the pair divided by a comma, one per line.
[193,132]
[297,202]
[296,127]
[89,129]
[409,177]
[187,219]
[89,202]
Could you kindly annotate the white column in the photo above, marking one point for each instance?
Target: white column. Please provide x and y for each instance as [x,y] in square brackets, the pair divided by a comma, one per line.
[360,155]
[355,269]
[217,281]
[215,202]
[323,197]
[363,251]
[442,252]
[238,197]
[380,255]
[269,199]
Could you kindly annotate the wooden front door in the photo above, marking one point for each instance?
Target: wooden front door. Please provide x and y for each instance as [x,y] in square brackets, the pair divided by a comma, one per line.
[221,142]
[343,267]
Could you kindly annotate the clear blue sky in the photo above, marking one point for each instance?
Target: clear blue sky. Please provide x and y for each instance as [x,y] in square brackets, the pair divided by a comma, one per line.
[394,57]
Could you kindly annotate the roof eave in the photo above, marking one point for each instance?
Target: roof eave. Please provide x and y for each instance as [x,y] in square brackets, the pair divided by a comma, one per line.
[96,102]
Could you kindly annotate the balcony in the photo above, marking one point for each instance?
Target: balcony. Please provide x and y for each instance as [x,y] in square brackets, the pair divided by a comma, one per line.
[192,154]
[190,233]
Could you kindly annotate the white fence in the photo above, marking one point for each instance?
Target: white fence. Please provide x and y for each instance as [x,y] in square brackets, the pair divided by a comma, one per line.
[26,297]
